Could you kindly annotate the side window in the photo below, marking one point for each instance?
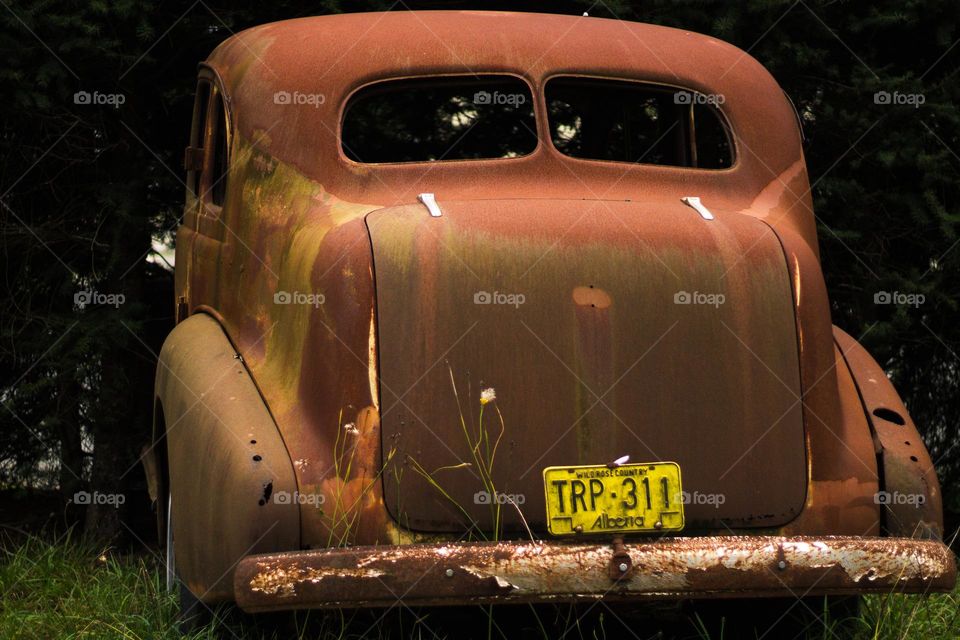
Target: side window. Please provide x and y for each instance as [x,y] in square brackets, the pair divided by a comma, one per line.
[213,181]
[193,157]
[218,145]
[712,145]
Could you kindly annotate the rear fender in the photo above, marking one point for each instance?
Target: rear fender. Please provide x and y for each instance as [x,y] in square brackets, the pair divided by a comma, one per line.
[229,472]
[912,505]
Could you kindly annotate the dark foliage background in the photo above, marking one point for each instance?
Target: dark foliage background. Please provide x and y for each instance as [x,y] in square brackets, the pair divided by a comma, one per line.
[86,189]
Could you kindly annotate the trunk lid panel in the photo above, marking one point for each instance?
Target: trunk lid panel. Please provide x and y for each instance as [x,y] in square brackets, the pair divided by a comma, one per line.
[569,310]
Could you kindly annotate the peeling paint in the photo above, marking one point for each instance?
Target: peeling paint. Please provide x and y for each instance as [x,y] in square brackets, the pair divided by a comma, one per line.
[538,572]
[282,582]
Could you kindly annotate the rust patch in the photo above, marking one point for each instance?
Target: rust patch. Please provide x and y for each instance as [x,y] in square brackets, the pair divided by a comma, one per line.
[725,566]
[282,581]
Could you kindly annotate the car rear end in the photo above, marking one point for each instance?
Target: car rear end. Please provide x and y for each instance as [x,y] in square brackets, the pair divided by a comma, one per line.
[602,364]
[619,414]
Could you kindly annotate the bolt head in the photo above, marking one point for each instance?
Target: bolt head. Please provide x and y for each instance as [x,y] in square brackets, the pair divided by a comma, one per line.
[658,525]
[782,564]
[578,528]
[623,567]
[449,573]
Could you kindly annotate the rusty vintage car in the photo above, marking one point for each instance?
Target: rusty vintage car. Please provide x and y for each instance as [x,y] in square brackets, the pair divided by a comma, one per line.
[503,307]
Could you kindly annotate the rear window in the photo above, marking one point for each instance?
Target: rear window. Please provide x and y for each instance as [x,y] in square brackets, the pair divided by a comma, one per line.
[624,121]
[453,118]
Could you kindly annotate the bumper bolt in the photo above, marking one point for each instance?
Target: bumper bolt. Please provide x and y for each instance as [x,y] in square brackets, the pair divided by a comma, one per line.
[782,565]
[623,567]
[449,573]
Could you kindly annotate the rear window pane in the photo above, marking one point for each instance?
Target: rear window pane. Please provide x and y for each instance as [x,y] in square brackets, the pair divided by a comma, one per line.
[440,119]
[632,122]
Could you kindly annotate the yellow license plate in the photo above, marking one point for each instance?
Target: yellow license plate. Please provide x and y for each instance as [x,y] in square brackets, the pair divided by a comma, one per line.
[600,499]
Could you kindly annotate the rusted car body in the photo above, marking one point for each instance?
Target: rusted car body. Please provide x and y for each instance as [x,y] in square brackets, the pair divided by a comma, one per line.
[336,328]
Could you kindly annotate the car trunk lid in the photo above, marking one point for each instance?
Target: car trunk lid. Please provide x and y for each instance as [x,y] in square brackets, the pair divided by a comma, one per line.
[606,329]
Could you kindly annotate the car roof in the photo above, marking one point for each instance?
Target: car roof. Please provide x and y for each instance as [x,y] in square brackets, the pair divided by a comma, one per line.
[332,56]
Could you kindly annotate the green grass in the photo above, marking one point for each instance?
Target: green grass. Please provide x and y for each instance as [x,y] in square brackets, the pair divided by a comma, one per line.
[896,616]
[66,589]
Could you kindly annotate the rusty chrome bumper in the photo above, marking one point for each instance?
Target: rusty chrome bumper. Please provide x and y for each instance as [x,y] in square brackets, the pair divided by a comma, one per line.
[701,567]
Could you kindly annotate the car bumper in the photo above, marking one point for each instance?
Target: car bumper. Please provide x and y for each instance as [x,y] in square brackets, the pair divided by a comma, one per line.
[670,568]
